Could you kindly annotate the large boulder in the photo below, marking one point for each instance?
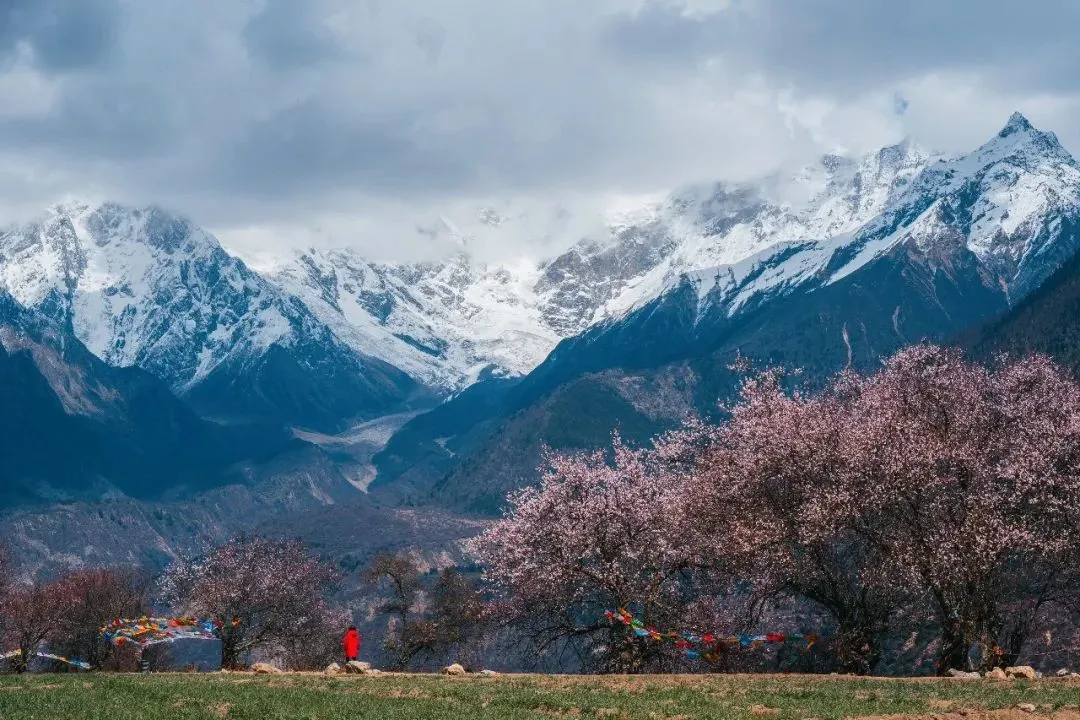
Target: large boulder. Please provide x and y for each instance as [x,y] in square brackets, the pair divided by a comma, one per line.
[1021,671]
[265,669]
[184,654]
[996,674]
[356,667]
[455,670]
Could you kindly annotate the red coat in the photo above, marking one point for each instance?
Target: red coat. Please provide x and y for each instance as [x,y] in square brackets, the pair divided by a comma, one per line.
[352,644]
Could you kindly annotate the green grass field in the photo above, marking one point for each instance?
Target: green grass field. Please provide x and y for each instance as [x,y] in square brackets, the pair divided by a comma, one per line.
[412,697]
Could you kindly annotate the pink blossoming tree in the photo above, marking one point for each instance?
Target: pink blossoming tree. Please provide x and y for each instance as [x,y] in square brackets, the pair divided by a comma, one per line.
[775,502]
[934,483]
[595,536]
[934,476]
[264,593]
[969,478]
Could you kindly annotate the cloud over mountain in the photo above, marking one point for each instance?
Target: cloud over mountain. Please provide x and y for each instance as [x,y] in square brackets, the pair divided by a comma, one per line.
[271,113]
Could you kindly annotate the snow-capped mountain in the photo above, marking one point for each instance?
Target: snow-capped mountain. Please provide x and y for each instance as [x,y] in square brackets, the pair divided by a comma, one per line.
[445,323]
[328,335]
[1007,212]
[1007,201]
[834,268]
[145,288]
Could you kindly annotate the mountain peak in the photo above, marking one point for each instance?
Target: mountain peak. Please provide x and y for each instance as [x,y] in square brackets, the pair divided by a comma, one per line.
[1017,123]
[1021,142]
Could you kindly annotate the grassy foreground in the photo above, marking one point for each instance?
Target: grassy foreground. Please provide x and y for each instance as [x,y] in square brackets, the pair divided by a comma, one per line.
[412,697]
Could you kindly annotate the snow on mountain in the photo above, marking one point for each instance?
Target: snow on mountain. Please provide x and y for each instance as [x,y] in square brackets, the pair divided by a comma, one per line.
[442,323]
[145,288]
[447,322]
[142,287]
[741,243]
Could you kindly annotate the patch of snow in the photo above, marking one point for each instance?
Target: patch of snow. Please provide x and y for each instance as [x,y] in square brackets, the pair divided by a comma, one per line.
[143,287]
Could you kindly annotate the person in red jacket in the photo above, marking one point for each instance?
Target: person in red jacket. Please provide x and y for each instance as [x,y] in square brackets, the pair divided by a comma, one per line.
[352,644]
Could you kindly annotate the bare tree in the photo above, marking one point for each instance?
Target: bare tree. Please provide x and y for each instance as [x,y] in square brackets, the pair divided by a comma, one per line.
[31,615]
[410,634]
[97,598]
[459,616]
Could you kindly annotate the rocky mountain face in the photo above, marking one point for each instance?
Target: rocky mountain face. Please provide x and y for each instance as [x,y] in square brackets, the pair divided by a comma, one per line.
[898,247]
[147,289]
[73,427]
[1046,321]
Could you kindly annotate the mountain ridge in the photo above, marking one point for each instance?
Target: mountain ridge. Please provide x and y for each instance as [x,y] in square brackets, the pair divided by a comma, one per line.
[74,427]
[935,244]
[145,288]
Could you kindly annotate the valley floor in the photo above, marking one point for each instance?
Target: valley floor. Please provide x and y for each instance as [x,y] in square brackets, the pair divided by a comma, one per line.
[416,697]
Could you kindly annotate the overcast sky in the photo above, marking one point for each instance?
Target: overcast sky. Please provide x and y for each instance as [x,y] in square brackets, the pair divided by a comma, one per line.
[261,119]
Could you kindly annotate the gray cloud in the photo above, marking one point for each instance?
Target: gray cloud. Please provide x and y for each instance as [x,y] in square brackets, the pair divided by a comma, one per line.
[63,34]
[846,47]
[265,111]
[287,34]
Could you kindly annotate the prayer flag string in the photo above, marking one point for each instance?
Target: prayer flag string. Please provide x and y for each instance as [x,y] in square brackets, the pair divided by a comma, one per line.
[48,656]
[149,630]
[704,645]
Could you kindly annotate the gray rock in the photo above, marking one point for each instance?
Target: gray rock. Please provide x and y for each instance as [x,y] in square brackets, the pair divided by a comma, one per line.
[184,654]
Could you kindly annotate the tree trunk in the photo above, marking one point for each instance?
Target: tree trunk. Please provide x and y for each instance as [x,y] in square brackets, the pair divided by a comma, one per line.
[230,658]
[954,648]
[1013,645]
[858,648]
